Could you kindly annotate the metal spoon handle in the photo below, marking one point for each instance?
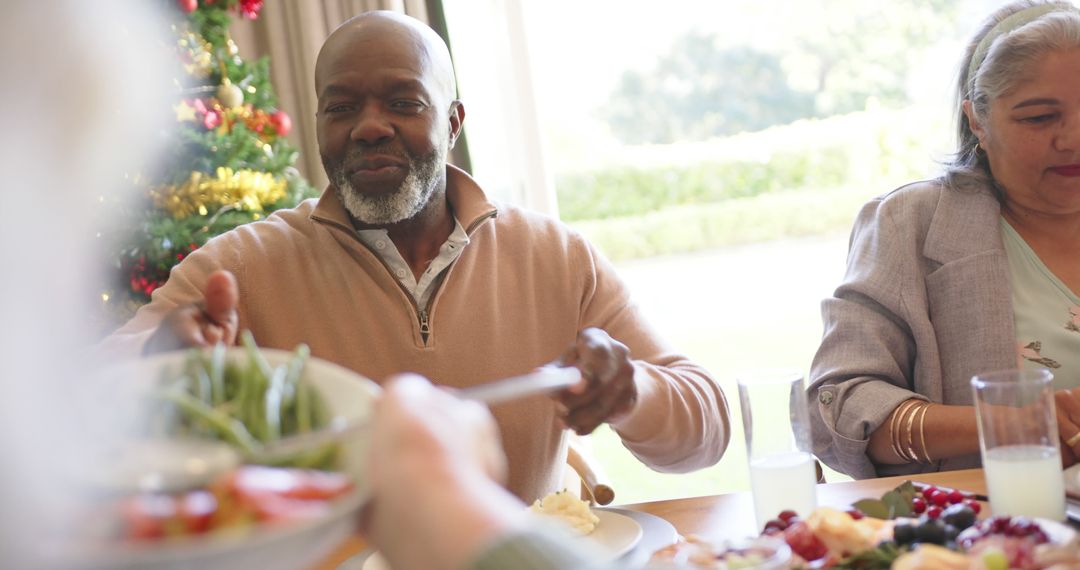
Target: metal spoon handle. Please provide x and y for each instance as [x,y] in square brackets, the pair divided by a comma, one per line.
[540,381]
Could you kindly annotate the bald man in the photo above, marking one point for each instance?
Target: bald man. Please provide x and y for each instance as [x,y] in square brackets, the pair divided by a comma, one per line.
[403,264]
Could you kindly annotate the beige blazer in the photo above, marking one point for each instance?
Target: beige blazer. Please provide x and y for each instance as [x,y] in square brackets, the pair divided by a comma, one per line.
[924,306]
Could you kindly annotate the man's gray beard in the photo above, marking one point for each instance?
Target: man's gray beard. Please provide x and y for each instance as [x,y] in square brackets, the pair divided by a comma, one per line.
[401,204]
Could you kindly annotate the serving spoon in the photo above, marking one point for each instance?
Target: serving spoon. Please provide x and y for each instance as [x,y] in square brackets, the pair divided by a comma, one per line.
[179,464]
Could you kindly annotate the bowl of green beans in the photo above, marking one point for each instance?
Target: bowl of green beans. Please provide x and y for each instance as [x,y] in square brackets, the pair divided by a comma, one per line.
[264,407]
[273,407]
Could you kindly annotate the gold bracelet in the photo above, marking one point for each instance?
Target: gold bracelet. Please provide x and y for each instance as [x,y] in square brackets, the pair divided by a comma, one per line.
[922,433]
[895,424]
[900,430]
[893,438]
[914,411]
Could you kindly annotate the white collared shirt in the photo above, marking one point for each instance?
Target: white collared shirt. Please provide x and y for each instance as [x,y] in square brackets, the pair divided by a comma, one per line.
[379,241]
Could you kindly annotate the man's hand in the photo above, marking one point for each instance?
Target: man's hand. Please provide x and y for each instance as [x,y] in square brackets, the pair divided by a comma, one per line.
[607,388]
[1068,417]
[205,323]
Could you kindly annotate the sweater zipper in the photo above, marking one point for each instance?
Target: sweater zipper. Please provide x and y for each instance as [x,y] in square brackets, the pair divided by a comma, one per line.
[425,327]
[421,314]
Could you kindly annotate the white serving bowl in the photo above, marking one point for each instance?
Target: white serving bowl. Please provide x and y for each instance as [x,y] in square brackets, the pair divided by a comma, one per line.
[348,397]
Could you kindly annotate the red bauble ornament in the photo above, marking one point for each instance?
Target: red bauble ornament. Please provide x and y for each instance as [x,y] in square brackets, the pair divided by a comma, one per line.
[212,119]
[282,123]
[188,6]
[250,8]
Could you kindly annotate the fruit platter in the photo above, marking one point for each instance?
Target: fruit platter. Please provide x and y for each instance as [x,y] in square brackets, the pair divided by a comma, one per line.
[913,526]
[228,458]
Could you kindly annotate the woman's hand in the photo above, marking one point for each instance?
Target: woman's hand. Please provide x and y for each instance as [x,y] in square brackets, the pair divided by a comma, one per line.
[1068,419]
[433,468]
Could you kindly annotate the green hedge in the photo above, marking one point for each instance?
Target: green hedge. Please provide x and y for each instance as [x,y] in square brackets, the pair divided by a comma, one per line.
[629,191]
[746,220]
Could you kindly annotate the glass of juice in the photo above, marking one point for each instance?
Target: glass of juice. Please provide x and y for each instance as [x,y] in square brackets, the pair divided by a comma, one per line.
[1018,437]
[776,423]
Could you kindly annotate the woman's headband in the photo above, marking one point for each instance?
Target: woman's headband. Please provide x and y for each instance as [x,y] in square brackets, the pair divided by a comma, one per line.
[1006,25]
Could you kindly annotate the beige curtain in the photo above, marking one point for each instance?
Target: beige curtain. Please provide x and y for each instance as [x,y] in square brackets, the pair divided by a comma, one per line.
[290,32]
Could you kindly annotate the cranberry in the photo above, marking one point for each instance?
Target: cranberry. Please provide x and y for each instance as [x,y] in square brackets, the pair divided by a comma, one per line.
[929,490]
[918,506]
[774,525]
[933,512]
[973,505]
[787,515]
[955,497]
[940,499]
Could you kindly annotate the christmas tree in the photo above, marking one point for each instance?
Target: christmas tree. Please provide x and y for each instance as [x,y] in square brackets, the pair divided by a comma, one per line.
[227,161]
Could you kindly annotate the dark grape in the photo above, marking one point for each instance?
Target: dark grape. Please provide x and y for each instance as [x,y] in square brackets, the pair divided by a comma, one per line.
[904,533]
[961,516]
[951,532]
[930,531]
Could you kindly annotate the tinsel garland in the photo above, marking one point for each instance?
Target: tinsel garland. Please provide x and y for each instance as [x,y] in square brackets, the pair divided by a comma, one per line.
[243,189]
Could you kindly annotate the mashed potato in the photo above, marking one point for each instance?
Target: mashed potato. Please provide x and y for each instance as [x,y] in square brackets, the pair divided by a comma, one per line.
[569,509]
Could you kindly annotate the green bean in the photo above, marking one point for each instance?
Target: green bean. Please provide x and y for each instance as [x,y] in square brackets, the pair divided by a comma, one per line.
[303,408]
[254,356]
[272,410]
[202,380]
[217,374]
[230,429]
[248,403]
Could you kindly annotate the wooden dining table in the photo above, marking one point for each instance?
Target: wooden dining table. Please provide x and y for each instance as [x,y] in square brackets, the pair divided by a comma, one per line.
[731,515]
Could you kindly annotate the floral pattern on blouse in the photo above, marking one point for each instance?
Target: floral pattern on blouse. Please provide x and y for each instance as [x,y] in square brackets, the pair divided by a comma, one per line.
[1032,351]
[1073,324]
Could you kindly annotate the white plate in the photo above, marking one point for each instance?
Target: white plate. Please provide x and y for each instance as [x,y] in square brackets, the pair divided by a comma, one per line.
[616,535]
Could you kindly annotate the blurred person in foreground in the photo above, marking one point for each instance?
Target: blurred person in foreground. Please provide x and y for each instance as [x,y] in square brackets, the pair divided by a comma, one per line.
[978,270]
[403,264]
[435,459]
[78,104]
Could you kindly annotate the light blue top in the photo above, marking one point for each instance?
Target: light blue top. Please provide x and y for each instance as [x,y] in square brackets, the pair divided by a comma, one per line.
[1046,313]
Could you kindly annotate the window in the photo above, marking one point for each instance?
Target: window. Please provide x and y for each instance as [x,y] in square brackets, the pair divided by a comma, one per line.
[716,151]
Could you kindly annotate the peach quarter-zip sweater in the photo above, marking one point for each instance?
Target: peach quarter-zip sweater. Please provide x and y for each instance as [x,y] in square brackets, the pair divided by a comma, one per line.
[514,299]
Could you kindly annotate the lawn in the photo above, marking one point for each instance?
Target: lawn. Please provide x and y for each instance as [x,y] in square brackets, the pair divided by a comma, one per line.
[729,309]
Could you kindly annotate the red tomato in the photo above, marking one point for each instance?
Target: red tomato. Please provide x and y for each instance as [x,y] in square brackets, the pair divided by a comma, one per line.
[253,480]
[147,517]
[197,510]
[271,509]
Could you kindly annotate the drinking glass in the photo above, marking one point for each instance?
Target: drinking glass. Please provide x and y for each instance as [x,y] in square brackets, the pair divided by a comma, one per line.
[1018,437]
[777,427]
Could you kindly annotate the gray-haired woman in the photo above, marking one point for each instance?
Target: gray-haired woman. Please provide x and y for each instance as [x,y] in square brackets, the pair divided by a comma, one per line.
[975,271]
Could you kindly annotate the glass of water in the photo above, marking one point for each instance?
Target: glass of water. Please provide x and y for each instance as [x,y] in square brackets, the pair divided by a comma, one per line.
[777,427]
[1018,437]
